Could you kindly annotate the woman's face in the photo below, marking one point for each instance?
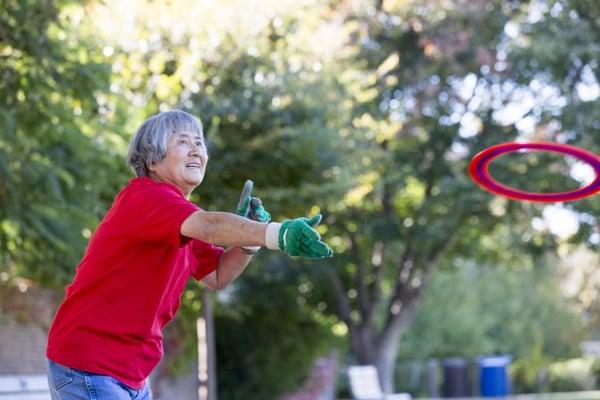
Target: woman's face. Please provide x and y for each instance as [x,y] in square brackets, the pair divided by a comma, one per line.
[185,163]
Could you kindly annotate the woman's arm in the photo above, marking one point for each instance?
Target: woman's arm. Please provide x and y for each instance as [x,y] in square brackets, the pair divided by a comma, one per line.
[231,264]
[296,237]
[224,229]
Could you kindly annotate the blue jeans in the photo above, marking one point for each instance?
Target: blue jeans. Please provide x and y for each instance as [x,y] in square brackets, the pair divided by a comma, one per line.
[72,384]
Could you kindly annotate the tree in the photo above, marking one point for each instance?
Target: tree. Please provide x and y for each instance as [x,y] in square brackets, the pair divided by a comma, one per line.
[554,50]
[377,131]
[438,85]
[57,166]
[268,345]
[270,113]
[502,311]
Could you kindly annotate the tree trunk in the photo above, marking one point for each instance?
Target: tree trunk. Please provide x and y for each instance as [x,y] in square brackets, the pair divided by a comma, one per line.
[363,345]
[385,360]
[389,343]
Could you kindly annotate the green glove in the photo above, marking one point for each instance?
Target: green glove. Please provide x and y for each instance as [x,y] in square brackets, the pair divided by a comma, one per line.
[298,238]
[251,207]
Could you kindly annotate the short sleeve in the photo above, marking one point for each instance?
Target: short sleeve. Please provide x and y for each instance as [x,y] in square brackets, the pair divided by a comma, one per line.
[206,257]
[161,211]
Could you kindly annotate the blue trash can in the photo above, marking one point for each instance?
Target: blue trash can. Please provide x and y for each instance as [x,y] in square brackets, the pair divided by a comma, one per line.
[493,375]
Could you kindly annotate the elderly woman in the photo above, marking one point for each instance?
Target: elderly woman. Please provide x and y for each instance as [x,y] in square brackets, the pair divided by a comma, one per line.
[106,335]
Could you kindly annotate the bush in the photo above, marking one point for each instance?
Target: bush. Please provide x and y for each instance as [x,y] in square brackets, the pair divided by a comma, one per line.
[267,337]
[573,375]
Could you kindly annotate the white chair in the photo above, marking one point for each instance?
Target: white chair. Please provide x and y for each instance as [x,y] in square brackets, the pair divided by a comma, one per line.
[365,385]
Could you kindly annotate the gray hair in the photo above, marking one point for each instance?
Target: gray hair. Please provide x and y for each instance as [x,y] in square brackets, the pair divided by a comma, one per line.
[149,144]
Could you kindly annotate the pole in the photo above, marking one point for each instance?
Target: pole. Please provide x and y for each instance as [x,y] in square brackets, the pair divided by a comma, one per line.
[207,363]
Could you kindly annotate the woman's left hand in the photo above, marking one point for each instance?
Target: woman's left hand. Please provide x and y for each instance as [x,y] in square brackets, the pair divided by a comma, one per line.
[252,207]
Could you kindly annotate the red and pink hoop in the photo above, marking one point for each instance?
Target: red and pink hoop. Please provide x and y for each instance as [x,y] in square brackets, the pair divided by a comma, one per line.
[478,168]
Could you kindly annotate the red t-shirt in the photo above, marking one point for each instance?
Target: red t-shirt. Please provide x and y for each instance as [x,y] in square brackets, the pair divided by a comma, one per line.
[129,283]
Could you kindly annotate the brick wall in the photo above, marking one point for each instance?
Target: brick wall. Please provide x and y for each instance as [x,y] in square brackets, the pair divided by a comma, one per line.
[22,348]
[25,315]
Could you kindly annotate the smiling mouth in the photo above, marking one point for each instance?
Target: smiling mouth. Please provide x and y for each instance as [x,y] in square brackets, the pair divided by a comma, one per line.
[192,165]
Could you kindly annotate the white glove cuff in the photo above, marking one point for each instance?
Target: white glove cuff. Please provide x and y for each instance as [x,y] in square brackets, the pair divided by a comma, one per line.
[272,236]
[251,249]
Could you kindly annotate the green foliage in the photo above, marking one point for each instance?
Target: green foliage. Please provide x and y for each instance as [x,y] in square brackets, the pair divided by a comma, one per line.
[574,375]
[473,310]
[553,51]
[264,119]
[57,170]
[267,337]
[476,310]
[369,130]
[265,323]
[427,71]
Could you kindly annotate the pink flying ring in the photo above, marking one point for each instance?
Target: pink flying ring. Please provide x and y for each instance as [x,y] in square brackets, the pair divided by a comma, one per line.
[478,169]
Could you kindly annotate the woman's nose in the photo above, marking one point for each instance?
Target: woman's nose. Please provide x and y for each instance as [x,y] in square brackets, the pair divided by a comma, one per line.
[195,149]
